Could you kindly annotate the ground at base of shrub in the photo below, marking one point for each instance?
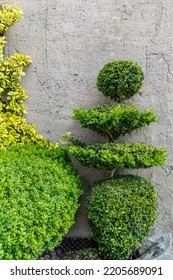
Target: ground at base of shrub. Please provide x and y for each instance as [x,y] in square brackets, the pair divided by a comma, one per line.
[82,254]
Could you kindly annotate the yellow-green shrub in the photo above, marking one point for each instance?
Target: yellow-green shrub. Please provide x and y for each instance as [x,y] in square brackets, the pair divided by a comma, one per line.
[13,126]
[14,129]
[8,15]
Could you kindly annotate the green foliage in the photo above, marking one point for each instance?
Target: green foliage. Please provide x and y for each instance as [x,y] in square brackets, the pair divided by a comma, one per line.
[8,15]
[13,126]
[14,129]
[12,94]
[121,212]
[39,193]
[120,79]
[2,42]
[109,156]
[112,120]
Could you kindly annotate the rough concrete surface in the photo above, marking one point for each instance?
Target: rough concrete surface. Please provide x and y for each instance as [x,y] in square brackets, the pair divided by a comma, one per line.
[69,41]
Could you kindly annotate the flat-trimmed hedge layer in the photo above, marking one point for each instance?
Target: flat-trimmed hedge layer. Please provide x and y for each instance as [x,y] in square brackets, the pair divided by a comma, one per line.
[114,120]
[109,156]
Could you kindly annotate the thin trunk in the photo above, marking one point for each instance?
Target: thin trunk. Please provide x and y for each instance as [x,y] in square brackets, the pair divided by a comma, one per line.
[113,172]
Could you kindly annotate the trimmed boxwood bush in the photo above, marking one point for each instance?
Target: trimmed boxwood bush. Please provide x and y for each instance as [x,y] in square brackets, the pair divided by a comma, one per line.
[112,120]
[120,79]
[109,156]
[39,192]
[121,213]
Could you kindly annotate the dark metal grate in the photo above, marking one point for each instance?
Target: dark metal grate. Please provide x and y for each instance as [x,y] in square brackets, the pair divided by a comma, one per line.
[76,243]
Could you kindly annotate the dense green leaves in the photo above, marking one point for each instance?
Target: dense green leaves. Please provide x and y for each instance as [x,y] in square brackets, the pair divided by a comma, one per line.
[39,192]
[113,120]
[121,212]
[109,156]
[120,79]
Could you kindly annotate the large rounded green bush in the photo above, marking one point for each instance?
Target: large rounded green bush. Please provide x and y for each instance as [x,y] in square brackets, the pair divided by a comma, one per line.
[39,192]
[120,79]
[121,213]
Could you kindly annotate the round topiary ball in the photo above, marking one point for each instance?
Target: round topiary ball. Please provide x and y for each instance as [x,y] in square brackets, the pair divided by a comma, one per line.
[120,79]
[39,192]
[121,212]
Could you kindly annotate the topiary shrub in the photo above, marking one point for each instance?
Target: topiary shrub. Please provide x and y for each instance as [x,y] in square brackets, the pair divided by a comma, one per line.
[109,156]
[121,212]
[120,79]
[13,126]
[113,121]
[39,193]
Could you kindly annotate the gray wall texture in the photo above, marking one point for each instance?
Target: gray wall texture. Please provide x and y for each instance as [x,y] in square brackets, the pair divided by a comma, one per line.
[69,41]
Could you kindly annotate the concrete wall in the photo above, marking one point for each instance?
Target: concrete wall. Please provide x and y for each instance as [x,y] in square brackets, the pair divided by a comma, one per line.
[69,41]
